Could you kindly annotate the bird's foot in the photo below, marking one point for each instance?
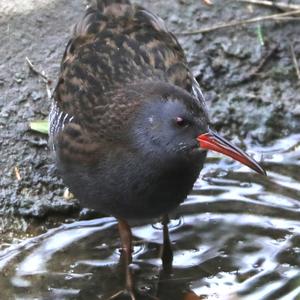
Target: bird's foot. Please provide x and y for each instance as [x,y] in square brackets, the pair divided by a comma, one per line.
[129,286]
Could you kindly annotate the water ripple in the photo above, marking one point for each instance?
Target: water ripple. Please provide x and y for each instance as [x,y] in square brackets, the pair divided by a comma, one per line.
[237,236]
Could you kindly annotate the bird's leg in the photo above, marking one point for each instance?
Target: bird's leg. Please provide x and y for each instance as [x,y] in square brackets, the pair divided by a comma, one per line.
[167,253]
[126,255]
[166,257]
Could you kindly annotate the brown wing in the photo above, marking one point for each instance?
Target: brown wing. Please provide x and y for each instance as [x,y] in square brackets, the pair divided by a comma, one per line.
[113,46]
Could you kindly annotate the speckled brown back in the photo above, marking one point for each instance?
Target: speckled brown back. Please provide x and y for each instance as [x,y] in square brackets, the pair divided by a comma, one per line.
[114,46]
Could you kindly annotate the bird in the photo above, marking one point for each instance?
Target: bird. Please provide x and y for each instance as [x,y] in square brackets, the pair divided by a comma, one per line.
[129,125]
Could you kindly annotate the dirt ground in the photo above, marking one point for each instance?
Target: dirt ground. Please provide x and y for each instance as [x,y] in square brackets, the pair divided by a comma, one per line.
[247,74]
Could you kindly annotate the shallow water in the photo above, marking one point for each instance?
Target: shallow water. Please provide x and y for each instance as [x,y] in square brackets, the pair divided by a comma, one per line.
[236,237]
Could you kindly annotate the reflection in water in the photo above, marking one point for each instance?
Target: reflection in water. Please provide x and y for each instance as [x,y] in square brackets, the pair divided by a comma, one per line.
[238,238]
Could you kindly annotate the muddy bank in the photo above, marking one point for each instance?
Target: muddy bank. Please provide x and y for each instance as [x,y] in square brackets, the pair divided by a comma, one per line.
[260,107]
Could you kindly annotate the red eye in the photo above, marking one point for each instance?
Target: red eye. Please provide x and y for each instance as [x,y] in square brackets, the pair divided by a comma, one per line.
[180,121]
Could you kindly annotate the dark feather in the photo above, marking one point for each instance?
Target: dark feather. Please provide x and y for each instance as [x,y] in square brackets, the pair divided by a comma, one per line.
[115,45]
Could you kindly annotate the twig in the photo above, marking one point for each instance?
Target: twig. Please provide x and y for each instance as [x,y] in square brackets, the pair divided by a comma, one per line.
[17,173]
[116,295]
[241,22]
[208,2]
[260,35]
[49,95]
[41,74]
[295,61]
[280,5]
[33,68]
[289,19]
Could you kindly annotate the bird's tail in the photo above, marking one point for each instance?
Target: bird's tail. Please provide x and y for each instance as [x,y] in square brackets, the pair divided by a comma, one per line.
[102,4]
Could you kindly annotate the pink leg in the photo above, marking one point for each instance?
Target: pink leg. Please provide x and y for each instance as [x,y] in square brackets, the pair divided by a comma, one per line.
[126,256]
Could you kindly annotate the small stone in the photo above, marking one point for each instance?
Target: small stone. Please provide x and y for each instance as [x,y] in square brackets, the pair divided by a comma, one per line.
[36,95]
[18,78]
[68,195]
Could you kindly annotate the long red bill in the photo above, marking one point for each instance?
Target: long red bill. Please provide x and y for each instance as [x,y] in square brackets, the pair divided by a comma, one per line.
[212,141]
